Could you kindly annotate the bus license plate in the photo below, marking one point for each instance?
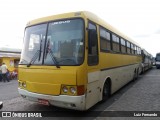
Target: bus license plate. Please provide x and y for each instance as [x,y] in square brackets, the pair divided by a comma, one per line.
[43,102]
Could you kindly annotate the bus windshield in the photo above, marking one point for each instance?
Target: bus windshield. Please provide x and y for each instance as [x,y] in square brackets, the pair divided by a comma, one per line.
[54,43]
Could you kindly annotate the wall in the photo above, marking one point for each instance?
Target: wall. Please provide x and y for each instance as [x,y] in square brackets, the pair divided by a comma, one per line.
[10,62]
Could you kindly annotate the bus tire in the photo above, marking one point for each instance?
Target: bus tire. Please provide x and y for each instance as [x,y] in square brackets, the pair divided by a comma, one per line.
[134,75]
[106,91]
[142,71]
[137,74]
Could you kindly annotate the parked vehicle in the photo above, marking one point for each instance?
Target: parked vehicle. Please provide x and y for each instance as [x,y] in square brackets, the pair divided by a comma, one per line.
[147,61]
[157,59]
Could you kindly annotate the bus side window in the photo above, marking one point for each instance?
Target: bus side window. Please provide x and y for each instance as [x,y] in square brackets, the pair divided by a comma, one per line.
[135,50]
[128,47]
[115,43]
[132,48]
[105,40]
[92,44]
[123,45]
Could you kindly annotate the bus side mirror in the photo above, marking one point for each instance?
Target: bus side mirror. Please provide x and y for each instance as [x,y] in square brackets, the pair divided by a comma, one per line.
[92,39]
[155,59]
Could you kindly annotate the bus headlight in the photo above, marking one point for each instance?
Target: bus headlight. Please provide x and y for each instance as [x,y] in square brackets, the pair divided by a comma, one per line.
[20,84]
[65,89]
[24,84]
[72,90]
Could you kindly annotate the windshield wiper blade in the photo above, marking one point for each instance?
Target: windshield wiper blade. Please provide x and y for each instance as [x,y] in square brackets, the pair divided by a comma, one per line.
[34,58]
[54,58]
[40,49]
[36,55]
[48,50]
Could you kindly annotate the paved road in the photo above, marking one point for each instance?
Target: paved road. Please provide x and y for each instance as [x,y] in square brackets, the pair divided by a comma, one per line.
[141,95]
[8,90]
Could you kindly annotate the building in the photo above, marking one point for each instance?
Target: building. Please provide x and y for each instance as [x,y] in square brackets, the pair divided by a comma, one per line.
[10,57]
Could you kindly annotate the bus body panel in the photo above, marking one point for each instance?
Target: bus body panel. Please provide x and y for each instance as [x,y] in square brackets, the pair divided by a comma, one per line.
[119,67]
[47,81]
[64,101]
[120,78]
[110,60]
[93,89]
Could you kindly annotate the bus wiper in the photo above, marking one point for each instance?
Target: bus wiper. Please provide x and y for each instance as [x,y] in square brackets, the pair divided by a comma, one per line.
[48,50]
[37,54]
[34,58]
[40,49]
[54,58]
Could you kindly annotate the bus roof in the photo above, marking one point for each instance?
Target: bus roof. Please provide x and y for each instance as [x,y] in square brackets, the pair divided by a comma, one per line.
[84,14]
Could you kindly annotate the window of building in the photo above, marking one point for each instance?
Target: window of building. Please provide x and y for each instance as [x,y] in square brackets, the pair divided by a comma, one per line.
[16,62]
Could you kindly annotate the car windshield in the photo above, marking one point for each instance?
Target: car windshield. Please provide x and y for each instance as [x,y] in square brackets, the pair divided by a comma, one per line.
[55,43]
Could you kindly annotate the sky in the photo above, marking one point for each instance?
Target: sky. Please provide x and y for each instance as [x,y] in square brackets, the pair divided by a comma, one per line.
[138,19]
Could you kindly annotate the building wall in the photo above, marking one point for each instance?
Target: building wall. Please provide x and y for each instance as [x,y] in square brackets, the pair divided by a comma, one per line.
[10,62]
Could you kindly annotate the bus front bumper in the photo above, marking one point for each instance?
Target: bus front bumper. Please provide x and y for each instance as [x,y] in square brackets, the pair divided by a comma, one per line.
[64,101]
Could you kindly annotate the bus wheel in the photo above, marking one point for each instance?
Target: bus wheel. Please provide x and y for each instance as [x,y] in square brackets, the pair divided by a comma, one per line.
[137,74]
[106,91]
[134,75]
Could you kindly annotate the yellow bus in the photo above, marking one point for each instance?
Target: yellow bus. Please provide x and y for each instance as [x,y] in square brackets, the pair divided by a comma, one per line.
[74,60]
